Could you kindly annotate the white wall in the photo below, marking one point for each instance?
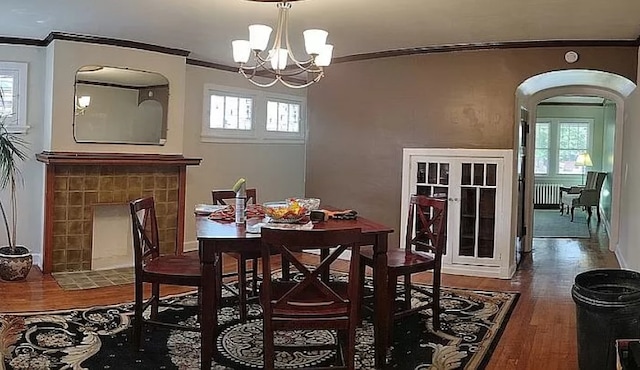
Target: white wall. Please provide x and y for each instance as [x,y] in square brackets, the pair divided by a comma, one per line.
[29,194]
[628,250]
[276,170]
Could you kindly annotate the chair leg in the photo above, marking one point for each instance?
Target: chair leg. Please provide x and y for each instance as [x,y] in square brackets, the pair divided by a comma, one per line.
[407,291]
[269,350]
[351,345]
[572,208]
[363,268]
[242,288]
[218,268]
[254,277]
[155,296]
[391,288]
[588,213]
[436,299]
[598,213]
[137,322]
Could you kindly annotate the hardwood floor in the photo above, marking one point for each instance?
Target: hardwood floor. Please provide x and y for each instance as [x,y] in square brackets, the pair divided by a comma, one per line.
[541,333]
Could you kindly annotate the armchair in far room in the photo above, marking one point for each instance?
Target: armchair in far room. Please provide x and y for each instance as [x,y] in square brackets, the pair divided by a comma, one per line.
[568,193]
[587,197]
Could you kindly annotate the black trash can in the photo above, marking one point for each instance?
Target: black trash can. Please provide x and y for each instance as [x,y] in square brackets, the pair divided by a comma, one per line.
[607,308]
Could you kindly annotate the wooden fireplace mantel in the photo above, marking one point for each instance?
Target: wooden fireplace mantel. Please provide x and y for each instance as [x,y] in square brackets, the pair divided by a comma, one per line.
[77,181]
[83,158]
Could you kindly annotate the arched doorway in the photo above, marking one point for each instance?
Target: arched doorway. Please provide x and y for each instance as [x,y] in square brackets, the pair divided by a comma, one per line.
[528,95]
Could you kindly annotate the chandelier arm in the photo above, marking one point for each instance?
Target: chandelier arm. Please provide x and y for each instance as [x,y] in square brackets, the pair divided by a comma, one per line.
[301,86]
[250,78]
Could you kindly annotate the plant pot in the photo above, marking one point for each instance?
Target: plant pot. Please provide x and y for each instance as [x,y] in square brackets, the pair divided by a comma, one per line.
[15,266]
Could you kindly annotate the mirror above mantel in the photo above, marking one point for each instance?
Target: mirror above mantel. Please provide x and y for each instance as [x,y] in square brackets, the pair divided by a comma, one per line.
[120,106]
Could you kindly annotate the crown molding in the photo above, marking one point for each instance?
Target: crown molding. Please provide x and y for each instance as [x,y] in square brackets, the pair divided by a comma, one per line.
[113,42]
[486,46]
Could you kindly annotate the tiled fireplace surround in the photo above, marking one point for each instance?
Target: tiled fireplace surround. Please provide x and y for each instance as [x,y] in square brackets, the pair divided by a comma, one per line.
[76,182]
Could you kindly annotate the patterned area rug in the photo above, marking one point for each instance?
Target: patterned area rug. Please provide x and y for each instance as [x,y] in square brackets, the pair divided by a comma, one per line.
[97,338]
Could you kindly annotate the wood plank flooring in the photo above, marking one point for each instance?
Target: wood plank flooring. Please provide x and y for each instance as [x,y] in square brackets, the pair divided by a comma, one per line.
[541,333]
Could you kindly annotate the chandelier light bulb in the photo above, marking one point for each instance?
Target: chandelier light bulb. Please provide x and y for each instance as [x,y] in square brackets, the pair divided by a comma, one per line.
[324,57]
[278,58]
[259,36]
[315,40]
[84,101]
[241,51]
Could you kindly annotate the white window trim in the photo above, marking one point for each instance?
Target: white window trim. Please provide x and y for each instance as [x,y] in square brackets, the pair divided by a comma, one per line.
[258,132]
[549,148]
[20,126]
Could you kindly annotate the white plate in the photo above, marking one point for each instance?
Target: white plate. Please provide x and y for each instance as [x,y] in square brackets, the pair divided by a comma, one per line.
[206,209]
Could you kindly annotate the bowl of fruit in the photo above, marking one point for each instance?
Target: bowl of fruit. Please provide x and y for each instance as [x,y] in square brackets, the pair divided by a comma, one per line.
[286,211]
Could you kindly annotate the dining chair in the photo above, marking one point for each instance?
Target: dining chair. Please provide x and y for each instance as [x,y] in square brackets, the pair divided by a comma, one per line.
[226,197]
[151,267]
[307,301]
[423,250]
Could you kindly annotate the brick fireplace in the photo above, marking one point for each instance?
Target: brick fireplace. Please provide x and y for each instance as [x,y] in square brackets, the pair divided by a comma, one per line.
[77,182]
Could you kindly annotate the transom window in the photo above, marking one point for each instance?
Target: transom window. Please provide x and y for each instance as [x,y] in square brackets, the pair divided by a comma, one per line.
[231,112]
[241,115]
[283,116]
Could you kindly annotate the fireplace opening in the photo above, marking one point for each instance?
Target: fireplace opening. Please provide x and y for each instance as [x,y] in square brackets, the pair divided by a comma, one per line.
[112,241]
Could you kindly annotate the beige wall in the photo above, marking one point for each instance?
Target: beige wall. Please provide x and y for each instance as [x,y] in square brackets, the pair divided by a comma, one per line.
[63,60]
[276,170]
[363,113]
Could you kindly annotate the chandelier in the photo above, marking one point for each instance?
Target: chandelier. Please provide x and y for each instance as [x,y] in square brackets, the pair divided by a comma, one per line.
[273,63]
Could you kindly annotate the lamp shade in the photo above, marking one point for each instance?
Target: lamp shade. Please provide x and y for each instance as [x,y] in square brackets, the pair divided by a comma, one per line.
[84,101]
[278,58]
[314,41]
[584,159]
[259,36]
[241,50]
[324,58]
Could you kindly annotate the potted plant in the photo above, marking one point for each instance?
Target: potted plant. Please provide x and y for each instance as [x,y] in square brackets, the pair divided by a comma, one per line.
[15,260]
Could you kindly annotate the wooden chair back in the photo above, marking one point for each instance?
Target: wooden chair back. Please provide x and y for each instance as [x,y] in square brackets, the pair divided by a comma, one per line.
[309,302]
[224,197]
[145,231]
[428,216]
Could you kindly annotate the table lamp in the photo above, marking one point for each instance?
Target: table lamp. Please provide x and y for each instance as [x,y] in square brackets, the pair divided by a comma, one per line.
[583,160]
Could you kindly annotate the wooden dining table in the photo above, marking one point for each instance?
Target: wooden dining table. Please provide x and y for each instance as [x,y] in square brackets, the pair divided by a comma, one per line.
[215,237]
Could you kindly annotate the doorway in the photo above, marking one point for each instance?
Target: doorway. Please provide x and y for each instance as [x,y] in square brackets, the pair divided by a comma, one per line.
[536,89]
[573,135]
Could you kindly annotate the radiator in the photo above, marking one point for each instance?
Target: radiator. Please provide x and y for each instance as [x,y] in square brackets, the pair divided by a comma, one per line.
[546,193]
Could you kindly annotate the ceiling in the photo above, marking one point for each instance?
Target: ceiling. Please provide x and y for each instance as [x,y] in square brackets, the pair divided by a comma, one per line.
[206,27]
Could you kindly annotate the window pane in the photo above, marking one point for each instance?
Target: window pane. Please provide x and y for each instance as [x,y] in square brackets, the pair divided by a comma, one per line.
[283,117]
[272,116]
[216,118]
[231,112]
[245,108]
[574,140]
[7,83]
[542,148]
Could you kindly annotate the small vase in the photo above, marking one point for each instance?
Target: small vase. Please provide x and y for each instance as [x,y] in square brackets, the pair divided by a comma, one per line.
[15,266]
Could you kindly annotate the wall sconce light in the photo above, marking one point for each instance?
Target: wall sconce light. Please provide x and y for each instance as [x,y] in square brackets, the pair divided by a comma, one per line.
[82,103]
